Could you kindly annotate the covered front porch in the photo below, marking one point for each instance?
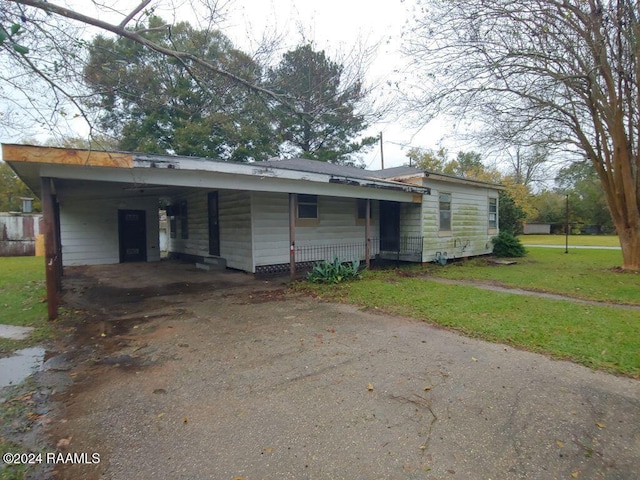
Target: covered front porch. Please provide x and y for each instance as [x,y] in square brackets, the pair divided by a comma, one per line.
[103,208]
[270,232]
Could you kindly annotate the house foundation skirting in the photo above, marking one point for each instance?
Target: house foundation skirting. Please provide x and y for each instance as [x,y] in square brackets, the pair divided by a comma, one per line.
[405,248]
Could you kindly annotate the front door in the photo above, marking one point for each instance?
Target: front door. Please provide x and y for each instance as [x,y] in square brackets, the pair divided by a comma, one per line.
[389,226]
[214,226]
[132,228]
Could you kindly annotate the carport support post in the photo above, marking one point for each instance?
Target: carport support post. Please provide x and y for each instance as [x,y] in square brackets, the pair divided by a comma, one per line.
[292,235]
[52,273]
[367,231]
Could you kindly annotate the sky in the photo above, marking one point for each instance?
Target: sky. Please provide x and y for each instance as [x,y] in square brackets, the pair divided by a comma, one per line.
[339,27]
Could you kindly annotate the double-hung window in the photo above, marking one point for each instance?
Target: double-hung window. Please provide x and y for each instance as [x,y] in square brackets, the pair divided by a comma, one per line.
[444,207]
[493,213]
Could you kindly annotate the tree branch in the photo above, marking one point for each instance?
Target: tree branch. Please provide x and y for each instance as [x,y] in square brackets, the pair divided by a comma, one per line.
[133,13]
[136,37]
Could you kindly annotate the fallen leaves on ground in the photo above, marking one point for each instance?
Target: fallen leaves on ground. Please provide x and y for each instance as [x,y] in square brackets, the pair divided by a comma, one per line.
[64,442]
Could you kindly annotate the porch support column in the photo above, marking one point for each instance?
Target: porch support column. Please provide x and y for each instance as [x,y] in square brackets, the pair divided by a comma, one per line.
[292,235]
[52,267]
[367,233]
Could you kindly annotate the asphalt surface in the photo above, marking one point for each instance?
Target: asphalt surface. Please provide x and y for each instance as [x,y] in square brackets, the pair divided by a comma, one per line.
[251,382]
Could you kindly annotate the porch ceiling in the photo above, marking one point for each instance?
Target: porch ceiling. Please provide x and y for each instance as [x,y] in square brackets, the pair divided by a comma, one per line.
[82,189]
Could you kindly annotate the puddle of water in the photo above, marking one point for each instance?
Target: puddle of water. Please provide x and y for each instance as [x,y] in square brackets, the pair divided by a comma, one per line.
[23,363]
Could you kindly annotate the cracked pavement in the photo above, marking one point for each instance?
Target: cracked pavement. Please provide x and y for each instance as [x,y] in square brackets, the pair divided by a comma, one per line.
[247,381]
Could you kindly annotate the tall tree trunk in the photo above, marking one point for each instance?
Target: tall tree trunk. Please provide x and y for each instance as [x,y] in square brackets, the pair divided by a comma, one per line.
[630,244]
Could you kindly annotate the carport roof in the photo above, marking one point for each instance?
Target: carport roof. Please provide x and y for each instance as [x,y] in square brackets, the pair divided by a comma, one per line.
[32,162]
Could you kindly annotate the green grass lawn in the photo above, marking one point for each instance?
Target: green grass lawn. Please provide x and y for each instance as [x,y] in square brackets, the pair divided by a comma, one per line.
[601,337]
[590,274]
[22,299]
[22,295]
[574,240]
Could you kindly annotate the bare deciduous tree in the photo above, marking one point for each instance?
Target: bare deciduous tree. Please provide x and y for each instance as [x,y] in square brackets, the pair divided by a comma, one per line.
[567,71]
[528,165]
[123,29]
[45,50]
[38,60]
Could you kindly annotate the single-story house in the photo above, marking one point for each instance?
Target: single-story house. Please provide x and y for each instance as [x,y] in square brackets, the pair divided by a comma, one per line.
[103,207]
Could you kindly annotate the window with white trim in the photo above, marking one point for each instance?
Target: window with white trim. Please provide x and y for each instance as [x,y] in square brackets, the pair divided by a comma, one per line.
[444,207]
[493,213]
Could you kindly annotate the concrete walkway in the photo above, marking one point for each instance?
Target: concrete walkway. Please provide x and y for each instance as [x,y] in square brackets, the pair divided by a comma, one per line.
[581,247]
[14,332]
[529,293]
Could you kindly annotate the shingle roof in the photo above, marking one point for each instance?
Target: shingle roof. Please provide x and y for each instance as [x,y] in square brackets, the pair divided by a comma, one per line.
[397,172]
[316,166]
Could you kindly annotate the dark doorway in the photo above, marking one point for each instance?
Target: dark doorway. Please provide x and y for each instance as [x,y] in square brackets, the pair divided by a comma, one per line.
[214,225]
[389,226]
[132,227]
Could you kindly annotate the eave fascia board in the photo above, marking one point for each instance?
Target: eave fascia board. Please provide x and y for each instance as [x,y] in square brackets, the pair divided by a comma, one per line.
[463,181]
[186,163]
[130,162]
[217,180]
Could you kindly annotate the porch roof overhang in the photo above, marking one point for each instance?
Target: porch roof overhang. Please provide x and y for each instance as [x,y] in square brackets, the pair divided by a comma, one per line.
[164,173]
[426,175]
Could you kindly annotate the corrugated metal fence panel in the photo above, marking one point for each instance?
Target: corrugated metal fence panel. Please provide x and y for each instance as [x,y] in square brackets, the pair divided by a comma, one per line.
[18,234]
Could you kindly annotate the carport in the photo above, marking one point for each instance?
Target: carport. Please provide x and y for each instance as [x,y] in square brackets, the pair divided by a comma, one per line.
[102,208]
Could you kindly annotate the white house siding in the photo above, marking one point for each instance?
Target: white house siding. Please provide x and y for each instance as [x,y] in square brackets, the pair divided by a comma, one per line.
[234,219]
[89,229]
[337,226]
[234,216]
[410,219]
[470,234]
[197,241]
[411,241]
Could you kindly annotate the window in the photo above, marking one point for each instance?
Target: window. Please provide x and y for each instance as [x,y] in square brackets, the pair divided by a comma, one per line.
[172,227]
[362,210]
[173,221]
[178,213]
[444,206]
[184,220]
[493,213]
[307,206]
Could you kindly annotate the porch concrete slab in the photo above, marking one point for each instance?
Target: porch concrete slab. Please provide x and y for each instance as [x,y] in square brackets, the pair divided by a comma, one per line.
[14,332]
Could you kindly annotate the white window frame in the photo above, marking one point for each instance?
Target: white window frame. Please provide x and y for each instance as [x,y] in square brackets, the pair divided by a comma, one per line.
[444,198]
[492,217]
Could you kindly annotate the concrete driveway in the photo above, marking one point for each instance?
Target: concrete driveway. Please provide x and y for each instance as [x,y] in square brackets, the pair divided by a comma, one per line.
[207,376]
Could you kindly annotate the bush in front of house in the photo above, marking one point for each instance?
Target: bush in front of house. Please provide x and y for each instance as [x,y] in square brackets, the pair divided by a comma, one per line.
[334,272]
[506,245]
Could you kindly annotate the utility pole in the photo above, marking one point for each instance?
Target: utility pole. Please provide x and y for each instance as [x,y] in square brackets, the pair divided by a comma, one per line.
[566,227]
[381,152]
